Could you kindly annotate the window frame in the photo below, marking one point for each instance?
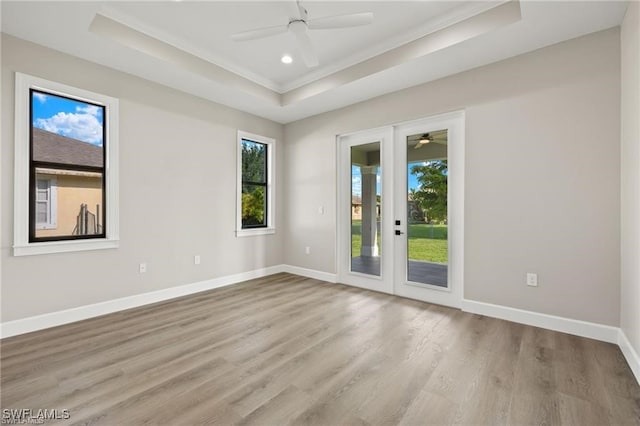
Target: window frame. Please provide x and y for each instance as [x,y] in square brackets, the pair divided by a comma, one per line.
[269,187]
[23,244]
[34,165]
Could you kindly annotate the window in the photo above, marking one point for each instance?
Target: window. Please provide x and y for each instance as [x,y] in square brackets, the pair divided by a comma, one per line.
[66,168]
[67,142]
[46,206]
[255,185]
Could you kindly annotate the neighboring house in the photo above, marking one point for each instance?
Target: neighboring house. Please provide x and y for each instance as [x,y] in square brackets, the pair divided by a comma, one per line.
[60,193]
[356,207]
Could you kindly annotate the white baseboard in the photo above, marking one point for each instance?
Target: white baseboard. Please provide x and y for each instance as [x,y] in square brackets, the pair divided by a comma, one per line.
[591,330]
[53,319]
[310,273]
[632,357]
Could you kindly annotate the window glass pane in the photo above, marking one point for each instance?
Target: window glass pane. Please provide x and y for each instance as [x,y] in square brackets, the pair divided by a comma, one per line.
[42,184]
[427,229]
[41,213]
[77,205]
[66,131]
[254,162]
[366,202]
[254,206]
[68,151]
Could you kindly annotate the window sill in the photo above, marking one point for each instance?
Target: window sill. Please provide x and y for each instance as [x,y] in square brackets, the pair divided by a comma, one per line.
[63,246]
[255,231]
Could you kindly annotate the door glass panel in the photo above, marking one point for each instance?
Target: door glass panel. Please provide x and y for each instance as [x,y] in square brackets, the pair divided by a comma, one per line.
[427,174]
[366,199]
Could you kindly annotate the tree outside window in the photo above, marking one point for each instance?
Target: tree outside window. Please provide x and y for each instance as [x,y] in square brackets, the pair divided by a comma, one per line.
[431,194]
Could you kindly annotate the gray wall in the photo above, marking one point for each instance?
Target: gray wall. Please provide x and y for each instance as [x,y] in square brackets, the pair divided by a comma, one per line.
[630,294]
[542,171]
[177,192]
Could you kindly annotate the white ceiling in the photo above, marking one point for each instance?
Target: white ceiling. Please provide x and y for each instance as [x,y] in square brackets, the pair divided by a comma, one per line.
[193,51]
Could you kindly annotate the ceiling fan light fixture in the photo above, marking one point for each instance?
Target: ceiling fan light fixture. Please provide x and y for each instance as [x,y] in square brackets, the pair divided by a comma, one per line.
[286,59]
[425,139]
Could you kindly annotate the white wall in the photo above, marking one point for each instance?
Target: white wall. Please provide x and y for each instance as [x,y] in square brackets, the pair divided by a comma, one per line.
[177,193]
[630,291]
[542,168]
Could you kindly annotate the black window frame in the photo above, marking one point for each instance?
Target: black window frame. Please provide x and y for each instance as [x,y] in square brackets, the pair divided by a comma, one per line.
[33,165]
[264,184]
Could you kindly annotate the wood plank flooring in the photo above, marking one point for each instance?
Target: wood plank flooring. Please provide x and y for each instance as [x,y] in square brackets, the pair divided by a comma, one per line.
[291,350]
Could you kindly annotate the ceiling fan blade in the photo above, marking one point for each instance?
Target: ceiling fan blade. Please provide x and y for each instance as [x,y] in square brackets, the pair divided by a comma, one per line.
[296,10]
[260,33]
[341,21]
[299,29]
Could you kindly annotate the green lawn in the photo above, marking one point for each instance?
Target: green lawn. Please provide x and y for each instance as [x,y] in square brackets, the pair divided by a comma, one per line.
[426,242]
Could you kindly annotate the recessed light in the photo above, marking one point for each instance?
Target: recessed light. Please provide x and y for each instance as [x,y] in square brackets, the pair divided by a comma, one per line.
[286,59]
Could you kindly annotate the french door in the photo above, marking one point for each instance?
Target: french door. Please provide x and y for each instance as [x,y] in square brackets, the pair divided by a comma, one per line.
[400,209]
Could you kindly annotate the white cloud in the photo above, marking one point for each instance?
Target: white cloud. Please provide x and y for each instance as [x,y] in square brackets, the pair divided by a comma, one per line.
[41,97]
[89,109]
[82,125]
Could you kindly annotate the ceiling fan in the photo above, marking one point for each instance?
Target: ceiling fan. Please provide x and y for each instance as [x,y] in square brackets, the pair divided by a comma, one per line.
[299,24]
[425,138]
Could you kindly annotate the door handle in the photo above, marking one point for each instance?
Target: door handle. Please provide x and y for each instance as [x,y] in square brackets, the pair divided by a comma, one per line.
[399,232]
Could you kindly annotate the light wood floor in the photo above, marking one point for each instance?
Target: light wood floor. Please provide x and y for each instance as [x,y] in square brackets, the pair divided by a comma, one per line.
[286,349]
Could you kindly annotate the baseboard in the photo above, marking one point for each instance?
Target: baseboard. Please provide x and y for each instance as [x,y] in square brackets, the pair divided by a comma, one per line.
[310,273]
[632,357]
[53,319]
[591,330]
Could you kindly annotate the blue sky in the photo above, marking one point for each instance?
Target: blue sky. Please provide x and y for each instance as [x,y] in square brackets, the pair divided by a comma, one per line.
[356,179]
[67,117]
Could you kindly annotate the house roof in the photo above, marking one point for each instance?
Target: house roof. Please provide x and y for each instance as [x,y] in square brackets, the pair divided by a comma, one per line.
[54,148]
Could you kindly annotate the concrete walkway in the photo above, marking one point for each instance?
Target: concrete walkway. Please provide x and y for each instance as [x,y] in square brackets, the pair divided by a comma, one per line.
[419,271]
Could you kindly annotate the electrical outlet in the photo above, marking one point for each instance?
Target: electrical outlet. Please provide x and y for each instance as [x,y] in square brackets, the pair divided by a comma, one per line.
[532,279]
[196,259]
[307,250]
[321,210]
[143,268]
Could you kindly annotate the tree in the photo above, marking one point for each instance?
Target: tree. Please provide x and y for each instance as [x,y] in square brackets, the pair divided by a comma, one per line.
[253,206]
[431,195]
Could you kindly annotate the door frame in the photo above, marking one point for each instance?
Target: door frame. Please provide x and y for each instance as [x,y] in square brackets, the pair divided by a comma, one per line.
[389,159]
